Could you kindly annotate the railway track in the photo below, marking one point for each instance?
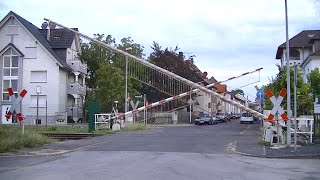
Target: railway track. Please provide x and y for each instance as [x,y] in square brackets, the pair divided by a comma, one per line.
[63,136]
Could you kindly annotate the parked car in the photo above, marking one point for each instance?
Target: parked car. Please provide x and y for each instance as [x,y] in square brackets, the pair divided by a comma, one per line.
[223,117]
[246,118]
[205,118]
[235,116]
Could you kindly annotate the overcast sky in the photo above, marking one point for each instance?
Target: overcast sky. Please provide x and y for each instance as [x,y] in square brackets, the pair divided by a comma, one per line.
[228,37]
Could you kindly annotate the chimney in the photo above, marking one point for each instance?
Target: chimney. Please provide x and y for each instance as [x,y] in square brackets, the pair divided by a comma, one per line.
[51,26]
[180,56]
[191,59]
[48,34]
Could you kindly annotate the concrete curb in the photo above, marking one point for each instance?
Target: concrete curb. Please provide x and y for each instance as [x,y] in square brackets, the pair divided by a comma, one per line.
[306,156]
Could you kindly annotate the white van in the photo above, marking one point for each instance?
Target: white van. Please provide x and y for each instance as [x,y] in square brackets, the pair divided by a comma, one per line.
[246,118]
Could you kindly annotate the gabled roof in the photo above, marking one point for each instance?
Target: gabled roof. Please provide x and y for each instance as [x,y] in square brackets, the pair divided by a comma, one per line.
[59,38]
[12,46]
[302,39]
[315,37]
[35,32]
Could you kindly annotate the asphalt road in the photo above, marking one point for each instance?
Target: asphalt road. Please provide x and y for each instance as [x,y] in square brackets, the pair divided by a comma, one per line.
[174,152]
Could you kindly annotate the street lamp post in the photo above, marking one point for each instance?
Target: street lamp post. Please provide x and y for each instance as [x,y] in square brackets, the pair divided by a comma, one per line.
[126,90]
[288,79]
[38,91]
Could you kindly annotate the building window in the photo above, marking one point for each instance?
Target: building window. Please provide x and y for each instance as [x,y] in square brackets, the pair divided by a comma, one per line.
[30,53]
[13,83]
[39,76]
[42,101]
[10,73]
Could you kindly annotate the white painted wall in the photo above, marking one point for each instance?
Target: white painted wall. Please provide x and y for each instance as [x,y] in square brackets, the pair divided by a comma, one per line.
[314,63]
[63,75]
[203,99]
[304,53]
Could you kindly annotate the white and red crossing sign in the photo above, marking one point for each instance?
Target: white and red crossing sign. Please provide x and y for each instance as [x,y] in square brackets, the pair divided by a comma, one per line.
[276,102]
[15,104]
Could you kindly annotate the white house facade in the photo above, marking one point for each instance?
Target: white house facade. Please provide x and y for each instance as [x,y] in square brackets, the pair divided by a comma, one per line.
[45,59]
[304,51]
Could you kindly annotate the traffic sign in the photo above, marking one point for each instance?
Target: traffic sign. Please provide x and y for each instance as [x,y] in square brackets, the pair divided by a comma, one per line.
[260,95]
[276,102]
[15,104]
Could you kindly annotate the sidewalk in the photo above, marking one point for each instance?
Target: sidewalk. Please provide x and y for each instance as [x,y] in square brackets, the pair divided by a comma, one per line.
[307,151]
[254,149]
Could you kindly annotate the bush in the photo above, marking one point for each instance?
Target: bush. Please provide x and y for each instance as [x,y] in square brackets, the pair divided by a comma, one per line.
[264,143]
[12,139]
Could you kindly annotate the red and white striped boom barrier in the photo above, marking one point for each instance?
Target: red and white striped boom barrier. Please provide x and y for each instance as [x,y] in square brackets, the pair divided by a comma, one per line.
[168,73]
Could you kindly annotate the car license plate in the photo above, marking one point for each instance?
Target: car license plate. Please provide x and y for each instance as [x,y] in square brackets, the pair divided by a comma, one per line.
[201,121]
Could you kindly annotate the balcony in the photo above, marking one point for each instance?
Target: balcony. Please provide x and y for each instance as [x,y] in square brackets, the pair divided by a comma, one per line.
[76,88]
[77,65]
[77,112]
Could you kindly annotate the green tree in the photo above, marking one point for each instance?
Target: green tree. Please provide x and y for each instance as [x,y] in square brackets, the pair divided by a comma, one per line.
[106,71]
[314,81]
[110,87]
[304,100]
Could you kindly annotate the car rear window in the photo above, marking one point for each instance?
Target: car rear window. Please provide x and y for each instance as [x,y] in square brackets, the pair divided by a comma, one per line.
[246,115]
[203,115]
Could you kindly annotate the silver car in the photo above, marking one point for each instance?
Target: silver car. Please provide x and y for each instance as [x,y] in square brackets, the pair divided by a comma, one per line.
[246,118]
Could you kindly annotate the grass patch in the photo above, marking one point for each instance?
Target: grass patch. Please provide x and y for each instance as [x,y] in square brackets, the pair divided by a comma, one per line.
[59,129]
[135,127]
[12,139]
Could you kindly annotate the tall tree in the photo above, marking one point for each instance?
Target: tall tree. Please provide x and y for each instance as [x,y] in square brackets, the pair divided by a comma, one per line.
[314,81]
[304,100]
[106,71]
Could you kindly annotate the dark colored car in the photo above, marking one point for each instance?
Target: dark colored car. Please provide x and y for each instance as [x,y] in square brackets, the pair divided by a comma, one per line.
[205,118]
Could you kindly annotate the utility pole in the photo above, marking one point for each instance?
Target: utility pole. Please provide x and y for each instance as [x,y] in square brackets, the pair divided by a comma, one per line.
[288,79]
[126,90]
